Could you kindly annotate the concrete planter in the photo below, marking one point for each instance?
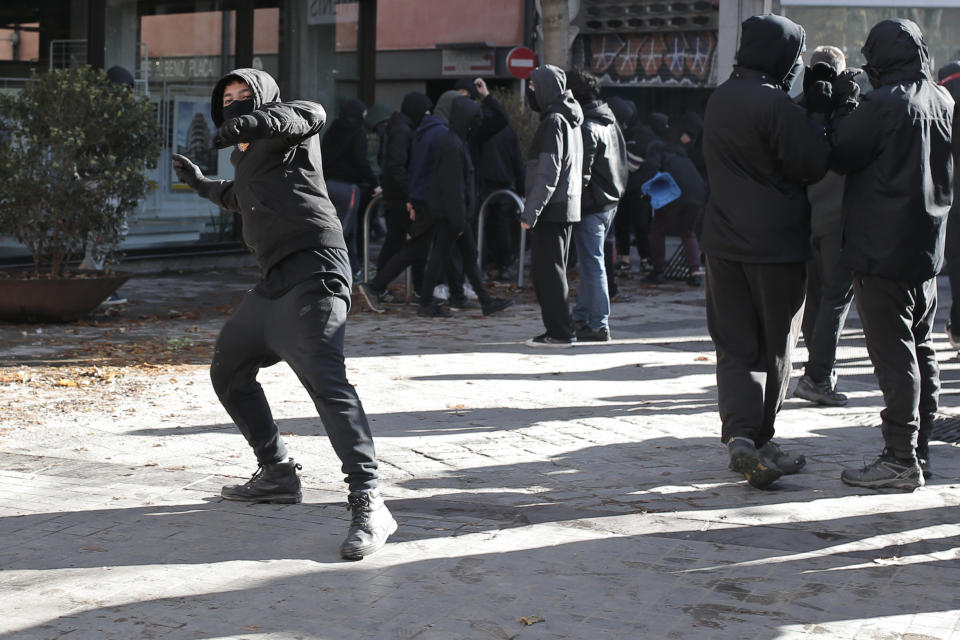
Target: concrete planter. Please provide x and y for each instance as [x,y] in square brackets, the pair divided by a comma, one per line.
[55,299]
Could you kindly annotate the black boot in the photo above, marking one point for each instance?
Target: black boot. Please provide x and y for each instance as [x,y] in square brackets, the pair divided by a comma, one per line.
[370,525]
[277,483]
[745,459]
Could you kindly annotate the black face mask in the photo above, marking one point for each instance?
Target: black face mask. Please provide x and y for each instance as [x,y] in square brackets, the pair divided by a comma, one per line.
[532,101]
[792,75]
[238,108]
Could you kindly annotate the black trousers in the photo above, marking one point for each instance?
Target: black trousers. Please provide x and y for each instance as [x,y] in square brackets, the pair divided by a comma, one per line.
[897,320]
[501,228]
[829,294]
[398,225]
[446,242]
[633,216]
[305,329]
[549,248]
[753,315]
[464,254]
[952,254]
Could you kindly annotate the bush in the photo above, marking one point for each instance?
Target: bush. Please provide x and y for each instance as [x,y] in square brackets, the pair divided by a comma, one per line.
[73,150]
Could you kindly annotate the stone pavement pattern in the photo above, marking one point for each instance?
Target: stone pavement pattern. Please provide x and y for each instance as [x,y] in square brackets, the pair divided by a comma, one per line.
[584,491]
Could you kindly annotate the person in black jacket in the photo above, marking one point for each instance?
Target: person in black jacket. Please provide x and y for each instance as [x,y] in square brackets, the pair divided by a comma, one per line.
[761,149]
[949,77]
[554,185]
[896,200]
[395,179]
[451,201]
[501,167]
[345,160]
[297,312]
[604,181]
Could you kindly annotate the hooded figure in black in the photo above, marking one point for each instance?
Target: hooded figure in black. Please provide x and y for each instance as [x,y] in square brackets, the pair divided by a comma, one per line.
[761,149]
[297,312]
[633,213]
[949,77]
[451,203]
[554,184]
[395,179]
[895,149]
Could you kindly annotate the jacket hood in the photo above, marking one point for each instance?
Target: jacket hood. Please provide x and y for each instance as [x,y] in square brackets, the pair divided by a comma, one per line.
[464,116]
[264,87]
[658,123]
[467,85]
[771,44]
[949,77]
[688,122]
[623,110]
[352,111]
[445,103]
[430,121]
[895,52]
[414,106]
[551,94]
[599,110]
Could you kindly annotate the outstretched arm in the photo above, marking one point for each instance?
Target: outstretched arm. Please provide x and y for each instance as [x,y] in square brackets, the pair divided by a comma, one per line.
[219,192]
[290,121]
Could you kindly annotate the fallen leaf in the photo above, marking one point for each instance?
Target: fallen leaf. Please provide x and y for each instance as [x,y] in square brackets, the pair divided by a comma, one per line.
[529,620]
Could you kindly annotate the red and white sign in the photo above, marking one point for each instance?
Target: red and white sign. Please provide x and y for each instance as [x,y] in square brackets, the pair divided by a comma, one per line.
[521,61]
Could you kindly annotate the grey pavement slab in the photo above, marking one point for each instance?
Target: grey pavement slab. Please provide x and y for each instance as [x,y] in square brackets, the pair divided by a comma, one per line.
[567,494]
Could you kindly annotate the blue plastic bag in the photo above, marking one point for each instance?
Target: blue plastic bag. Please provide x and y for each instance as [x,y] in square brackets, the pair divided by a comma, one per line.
[662,189]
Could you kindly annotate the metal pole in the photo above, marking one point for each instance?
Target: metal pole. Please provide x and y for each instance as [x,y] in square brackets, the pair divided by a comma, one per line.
[517,200]
[374,202]
[523,249]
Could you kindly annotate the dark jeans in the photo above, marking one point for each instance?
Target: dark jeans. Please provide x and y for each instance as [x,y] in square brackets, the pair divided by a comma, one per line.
[829,294]
[398,225]
[549,247]
[446,240]
[897,319]
[305,329]
[464,256]
[633,216]
[687,215]
[753,315]
[412,253]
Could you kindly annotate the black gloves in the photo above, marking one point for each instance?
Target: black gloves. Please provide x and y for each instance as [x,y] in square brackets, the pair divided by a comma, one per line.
[818,87]
[845,87]
[187,172]
[234,130]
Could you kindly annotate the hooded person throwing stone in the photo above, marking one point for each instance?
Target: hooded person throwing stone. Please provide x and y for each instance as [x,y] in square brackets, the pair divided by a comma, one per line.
[297,312]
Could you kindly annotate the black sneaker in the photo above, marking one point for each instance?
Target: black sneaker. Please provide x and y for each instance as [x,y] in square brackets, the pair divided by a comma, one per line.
[277,483]
[113,299]
[745,459]
[886,472]
[372,297]
[695,279]
[786,462]
[495,305]
[655,277]
[461,303]
[434,311]
[389,298]
[370,525]
[586,334]
[819,392]
[543,340]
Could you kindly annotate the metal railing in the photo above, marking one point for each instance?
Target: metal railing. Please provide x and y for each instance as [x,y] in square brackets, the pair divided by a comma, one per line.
[517,200]
[377,201]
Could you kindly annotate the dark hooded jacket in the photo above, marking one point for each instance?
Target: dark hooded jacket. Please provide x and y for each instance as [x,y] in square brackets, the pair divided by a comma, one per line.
[673,159]
[604,159]
[895,149]
[949,77]
[501,163]
[761,149]
[452,197]
[555,159]
[638,137]
[690,123]
[345,147]
[396,160]
[278,185]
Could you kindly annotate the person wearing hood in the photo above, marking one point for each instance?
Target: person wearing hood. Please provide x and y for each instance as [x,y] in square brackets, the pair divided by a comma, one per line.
[345,161]
[604,181]
[672,158]
[553,187]
[829,283]
[949,77]
[895,150]
[451,202]
[395,179]
[297,312]
[633,213]
[761,149]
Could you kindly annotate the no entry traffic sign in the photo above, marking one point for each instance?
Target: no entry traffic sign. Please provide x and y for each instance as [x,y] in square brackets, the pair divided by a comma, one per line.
[521,61]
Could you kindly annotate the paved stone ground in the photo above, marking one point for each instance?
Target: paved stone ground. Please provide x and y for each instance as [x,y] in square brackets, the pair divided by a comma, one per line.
[541,494]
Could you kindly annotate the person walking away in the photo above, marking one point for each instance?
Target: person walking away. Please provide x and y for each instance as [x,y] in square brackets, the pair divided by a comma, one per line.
[761,149]
[297,311]
[829,283]
[604,181]
[686,209]
[896,201]
[553,188]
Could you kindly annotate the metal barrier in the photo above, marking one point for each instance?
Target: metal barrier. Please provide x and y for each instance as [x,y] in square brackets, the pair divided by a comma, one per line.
[377,201]
[517,200]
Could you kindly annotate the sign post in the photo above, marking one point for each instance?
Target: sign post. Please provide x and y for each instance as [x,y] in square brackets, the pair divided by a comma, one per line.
[521,61]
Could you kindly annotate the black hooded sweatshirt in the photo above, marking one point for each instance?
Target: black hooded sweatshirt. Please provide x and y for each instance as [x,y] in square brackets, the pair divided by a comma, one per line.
[895,149]
[452,195]
[278,185]
[949,77]
[673,159]
[638,137]
[604,158]
[761,149]
[400,128]
[345,147]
